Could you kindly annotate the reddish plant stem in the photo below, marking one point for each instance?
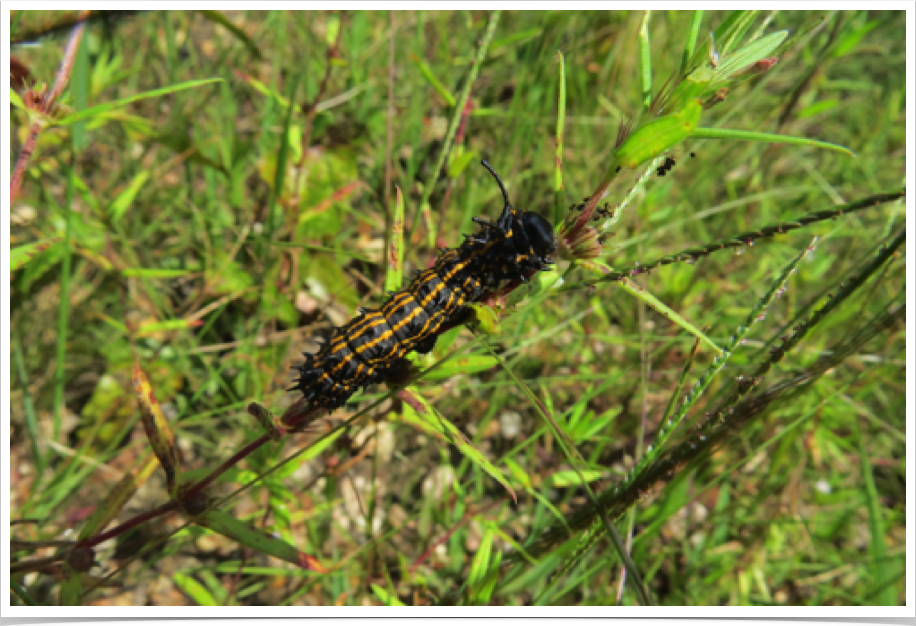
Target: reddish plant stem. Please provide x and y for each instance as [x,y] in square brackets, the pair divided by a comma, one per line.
[45,106]
[225,465]
[168,507]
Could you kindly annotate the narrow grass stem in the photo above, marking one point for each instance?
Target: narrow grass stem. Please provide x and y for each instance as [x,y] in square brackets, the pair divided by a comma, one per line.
[456,117]
[691,255]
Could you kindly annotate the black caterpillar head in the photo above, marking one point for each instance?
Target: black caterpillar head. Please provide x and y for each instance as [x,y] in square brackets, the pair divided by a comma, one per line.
[533,235]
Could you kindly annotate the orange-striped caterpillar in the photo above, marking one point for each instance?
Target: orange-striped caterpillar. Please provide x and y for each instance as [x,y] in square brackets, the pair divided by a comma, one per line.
[373,344]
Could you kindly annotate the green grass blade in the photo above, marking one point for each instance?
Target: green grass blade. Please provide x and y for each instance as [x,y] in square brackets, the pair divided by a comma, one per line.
[387,598]
[880,565]
[282,158]
[480,55]
[747,135]
[559,199]
[99,109]
[420,414]
[194,590]
[434,82]
[64,306]
[227,525]
[394,275]
[31,420]
[645,62]
[217,17]
[756,314]
[644,295]
[691,43]
[20,256]
[125,199]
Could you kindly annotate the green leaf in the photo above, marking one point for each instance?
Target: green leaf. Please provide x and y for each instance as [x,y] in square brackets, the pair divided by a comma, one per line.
[460,161]
[420,414]
[153,272]
[388,599]
[645,62]
[319,446]
[878,549]
[691,43]
[110,106]
[71,589]
[570,478]
[194,590]
[746,135]
[818,107]
[256,539]
[471,364]
[484,573]
[126,198]
[434,82]
[19,257]
[559,198]
[16,100]
[851,39]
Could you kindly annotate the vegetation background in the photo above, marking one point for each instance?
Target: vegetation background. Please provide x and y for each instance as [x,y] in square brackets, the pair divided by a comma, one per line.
[165,233]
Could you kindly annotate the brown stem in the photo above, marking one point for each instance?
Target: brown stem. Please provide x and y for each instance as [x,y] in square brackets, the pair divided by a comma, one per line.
[46,105]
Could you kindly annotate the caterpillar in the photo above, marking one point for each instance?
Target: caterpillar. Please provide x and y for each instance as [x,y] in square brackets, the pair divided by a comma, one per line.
[373,345]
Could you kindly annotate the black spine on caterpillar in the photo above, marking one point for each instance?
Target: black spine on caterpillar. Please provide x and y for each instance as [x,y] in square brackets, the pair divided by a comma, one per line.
[363,351]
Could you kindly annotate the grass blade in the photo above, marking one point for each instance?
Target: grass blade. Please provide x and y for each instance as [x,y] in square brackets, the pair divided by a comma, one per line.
[559,200]
[747,135]
[645,62]
[456,117]
[256,539]
[394,275]
[420,414]
[691,43]
[644,295]
[99,109]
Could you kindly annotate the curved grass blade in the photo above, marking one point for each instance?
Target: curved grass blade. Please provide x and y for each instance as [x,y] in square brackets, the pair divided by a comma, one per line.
[110,106]
[420,414]
[747,135]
